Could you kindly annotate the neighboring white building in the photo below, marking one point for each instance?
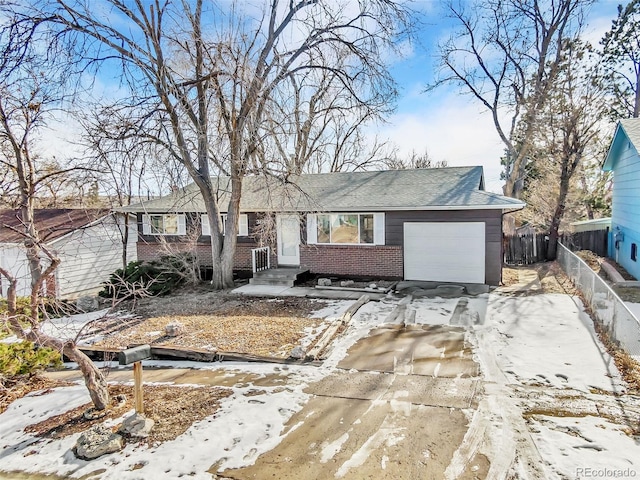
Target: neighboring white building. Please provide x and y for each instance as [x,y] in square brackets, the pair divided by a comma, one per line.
[88,242]
[595,224]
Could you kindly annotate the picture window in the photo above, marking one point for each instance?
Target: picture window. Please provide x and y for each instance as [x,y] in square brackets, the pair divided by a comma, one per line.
[356,228]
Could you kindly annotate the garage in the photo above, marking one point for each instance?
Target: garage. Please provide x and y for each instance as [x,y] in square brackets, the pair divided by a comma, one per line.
[444,251]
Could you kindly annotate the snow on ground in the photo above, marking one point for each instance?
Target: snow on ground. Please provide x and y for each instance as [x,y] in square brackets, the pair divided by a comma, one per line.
[540,353]
[586,447]
[243,428]
[548,339]
[438,311]
[525,345]
[68,327]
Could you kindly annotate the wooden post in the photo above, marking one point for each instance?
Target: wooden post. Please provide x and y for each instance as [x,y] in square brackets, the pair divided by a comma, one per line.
[137,386]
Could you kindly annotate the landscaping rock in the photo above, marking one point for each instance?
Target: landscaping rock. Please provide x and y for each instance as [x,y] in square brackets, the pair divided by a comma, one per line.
[298,352]
[93,413]
[97,441]
[324,282]
[87,304]
[347,283]
[137,425]
[373,286]
[173,329]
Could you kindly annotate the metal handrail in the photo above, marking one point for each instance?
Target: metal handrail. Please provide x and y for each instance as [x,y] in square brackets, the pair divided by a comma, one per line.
[260,259]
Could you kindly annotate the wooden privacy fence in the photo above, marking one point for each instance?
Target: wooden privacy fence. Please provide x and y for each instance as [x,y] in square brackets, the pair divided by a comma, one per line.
[532,248]
[524,249]
[595,240]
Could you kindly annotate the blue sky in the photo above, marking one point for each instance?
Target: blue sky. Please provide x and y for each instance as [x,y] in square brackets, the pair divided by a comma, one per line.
[449,125]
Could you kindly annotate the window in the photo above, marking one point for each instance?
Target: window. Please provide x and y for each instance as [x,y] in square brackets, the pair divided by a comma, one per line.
[346,228]
[243,224]
[634,252]
[164,224]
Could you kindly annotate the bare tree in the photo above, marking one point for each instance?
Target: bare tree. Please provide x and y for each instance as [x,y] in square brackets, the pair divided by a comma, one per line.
[117,157]
[572,120]
[317,126]
[27,96]
[506,54]
[621,61]
[203,80]
[414,160]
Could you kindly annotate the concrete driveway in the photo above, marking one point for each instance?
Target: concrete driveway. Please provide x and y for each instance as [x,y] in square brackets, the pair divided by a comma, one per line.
[497,385]
[397,406]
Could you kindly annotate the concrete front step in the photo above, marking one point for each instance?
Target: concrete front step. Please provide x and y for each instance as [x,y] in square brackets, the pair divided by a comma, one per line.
[272,281]
[277,276]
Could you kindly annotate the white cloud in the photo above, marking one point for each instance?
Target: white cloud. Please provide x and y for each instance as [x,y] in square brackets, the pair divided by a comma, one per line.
[453,129]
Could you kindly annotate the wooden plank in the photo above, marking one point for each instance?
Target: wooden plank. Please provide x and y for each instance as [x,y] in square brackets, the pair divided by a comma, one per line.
[137,387]
[181,353]
[346,316]
[329,333]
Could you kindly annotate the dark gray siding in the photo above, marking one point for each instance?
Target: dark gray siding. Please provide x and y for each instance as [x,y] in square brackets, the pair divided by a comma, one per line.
[193,224]
[492,219]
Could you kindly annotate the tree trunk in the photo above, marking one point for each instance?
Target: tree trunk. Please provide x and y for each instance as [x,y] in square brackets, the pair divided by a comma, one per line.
[552,249]
[93,377]
[125,240]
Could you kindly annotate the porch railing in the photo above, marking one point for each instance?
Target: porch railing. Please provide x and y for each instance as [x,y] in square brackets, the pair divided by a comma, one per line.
[260,259]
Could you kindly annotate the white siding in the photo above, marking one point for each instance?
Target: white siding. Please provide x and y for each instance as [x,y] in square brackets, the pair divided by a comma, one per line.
[132,249]
[89,255]
[14,259]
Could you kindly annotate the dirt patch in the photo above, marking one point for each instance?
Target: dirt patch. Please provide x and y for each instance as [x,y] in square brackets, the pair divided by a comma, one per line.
[217,322]
[628,294]
[16,388]
[553,279]
[200,301]
[591,259]
[509,276]
[164,404]
[258,335]
[622,271]
[628,367]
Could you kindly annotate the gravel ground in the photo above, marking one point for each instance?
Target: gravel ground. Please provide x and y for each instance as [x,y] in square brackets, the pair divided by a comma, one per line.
[219,321]
[257,335]
[173,408]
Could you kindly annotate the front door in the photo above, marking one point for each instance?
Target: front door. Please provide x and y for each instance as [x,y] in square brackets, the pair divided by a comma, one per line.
[288,240]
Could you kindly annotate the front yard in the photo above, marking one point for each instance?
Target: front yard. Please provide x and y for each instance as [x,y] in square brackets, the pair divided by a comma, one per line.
[218,323]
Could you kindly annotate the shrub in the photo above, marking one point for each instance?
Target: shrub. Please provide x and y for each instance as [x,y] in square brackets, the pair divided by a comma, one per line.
[25,358]
[158,277]
[23,306]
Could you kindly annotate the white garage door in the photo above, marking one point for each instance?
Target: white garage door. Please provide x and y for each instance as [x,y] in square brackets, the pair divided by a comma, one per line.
[444,252]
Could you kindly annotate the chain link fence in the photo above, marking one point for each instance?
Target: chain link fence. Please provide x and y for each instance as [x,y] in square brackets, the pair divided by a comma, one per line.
[612,313]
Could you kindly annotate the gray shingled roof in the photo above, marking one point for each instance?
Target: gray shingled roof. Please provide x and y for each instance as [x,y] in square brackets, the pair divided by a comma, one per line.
[631,127]
[52,223]
[419,189]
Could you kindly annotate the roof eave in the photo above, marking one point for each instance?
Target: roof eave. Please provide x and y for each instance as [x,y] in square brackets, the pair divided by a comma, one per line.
[607,165]
[507,206]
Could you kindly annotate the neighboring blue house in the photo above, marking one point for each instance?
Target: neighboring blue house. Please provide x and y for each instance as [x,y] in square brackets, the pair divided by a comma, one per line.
[623,160]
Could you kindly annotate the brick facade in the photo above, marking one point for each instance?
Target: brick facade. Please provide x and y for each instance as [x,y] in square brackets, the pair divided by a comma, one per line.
[346,260]
[353,260]
[148,251]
